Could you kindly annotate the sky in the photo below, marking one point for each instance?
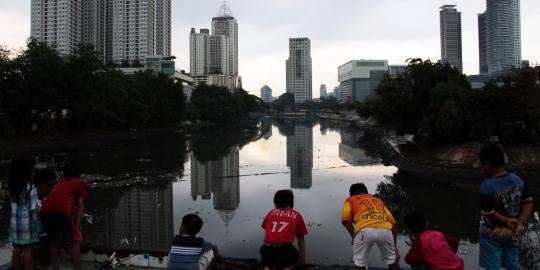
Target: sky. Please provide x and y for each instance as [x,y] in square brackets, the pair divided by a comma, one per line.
[340,31]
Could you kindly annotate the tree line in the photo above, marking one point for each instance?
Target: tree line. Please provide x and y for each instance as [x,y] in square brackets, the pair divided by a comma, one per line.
[43,91]
[434,100]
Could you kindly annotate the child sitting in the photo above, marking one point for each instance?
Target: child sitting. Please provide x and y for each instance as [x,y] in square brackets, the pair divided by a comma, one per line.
[189,252]
[282,226]
[432,249]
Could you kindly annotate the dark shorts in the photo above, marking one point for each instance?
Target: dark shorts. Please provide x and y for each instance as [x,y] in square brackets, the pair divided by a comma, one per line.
[56,224]
[280,256]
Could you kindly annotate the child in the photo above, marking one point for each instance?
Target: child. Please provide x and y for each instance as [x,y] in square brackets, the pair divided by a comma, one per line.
[282,225]
[369,222]
[188,251]
[24,221]
[506,206]
[57,211]
[435,249]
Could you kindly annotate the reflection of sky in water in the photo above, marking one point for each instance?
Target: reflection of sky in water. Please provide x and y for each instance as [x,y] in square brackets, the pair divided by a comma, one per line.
[238,233]
[319,171]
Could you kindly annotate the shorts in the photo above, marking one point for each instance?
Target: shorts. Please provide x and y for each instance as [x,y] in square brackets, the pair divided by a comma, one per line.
[279,256]
[364,241]
[496,254]
[57,224]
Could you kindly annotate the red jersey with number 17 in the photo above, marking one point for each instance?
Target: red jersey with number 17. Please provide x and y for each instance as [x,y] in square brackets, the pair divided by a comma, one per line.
[282,225]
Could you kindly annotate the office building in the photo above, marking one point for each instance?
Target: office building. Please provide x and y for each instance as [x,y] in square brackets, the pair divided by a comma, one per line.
[359,78]
[323,91]
[482,43]
[266,94]
[503,35]
[451,45]
[336,93]
[299,70]
[300,156]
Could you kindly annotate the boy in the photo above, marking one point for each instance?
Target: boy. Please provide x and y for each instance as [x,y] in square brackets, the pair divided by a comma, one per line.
[506,206]
[57,215]
[369,222]
[282,224]
[189,252]
[436,250]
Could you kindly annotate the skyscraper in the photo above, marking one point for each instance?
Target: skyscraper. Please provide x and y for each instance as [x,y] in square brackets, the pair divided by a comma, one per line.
[323,91]
[57,23]
[266,94]
[95,26]
[300,156]
[482,43]
[214,57]
[503,35]
[163,27]
[451,47]
[299,70]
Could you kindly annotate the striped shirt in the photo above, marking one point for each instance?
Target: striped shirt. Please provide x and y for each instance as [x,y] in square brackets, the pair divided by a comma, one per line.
[186,251]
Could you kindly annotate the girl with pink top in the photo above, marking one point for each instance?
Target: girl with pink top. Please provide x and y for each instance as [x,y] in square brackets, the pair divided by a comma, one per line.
[432,249]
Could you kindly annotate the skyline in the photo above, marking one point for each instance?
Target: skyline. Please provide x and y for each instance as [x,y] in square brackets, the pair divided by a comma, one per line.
[335,30]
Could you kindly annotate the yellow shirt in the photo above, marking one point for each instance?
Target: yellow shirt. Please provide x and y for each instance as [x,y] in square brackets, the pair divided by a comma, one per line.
[366,211]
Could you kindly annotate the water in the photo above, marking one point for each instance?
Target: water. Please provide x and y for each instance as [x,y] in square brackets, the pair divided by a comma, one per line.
[229,176]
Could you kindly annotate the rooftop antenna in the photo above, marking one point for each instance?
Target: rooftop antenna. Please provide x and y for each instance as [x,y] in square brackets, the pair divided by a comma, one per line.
[224,10]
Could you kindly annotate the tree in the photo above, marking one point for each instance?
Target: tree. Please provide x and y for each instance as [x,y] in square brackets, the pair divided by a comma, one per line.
[284,102]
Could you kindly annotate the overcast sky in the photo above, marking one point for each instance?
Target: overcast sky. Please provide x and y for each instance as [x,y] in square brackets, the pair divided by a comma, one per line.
[340,30]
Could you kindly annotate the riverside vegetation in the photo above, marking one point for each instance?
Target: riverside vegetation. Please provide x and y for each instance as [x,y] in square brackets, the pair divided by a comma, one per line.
[43,91]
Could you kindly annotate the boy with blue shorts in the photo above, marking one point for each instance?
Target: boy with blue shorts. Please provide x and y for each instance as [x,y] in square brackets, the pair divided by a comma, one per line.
[506,206]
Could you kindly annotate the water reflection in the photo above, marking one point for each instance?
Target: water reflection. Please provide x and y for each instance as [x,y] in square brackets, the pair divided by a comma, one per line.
[300,156]
[350,149]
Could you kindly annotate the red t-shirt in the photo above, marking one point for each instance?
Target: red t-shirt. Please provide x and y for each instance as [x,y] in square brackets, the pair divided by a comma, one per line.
[64,195]
[282,225]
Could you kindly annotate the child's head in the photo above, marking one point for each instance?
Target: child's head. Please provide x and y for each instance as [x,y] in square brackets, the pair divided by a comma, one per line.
[358,188]
[191,225]
[284,198]
[44,180]
[491,158]
[21,173]
[416,222]
[71,170]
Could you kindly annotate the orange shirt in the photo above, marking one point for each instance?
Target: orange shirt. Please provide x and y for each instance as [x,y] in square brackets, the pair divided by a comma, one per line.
[366,211]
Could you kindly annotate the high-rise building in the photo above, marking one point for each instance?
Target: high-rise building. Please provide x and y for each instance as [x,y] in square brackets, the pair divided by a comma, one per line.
[214,57]
[482,43]
[359,78]
[266,94]
[299,69]
[95,23]
[300,156]
[163,27]
[57,23]
[503,35]
[451,46]
[323,91]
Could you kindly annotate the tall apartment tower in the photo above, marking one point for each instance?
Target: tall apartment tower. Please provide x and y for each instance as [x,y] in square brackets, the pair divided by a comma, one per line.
[198,51]
[482,43]
[57,23]
[503,35]
[163,27]
[97,26]
[299,70]
[451,48]
[323,91]
[224,24]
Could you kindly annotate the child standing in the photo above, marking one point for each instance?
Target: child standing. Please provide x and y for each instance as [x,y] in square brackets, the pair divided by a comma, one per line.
[187,250]
[282,225]
[57,215]
[435,249]
[24,223]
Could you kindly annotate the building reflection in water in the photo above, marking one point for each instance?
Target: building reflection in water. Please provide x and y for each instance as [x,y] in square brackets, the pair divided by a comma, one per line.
[300,156]
[350,150]
[147,214]
[218,179]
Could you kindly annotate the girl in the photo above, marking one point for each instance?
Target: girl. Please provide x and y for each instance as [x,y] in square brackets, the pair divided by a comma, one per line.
[24,221]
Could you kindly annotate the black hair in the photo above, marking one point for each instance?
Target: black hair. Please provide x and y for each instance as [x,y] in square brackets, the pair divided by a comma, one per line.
[493,154]
[43,176]
[71,170]
[21,173]
[416,222]
[284,198]
[358,188]
[192,224]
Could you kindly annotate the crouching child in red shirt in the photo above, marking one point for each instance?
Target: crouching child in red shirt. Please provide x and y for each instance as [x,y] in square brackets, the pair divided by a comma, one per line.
[431,250]
[282,225]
